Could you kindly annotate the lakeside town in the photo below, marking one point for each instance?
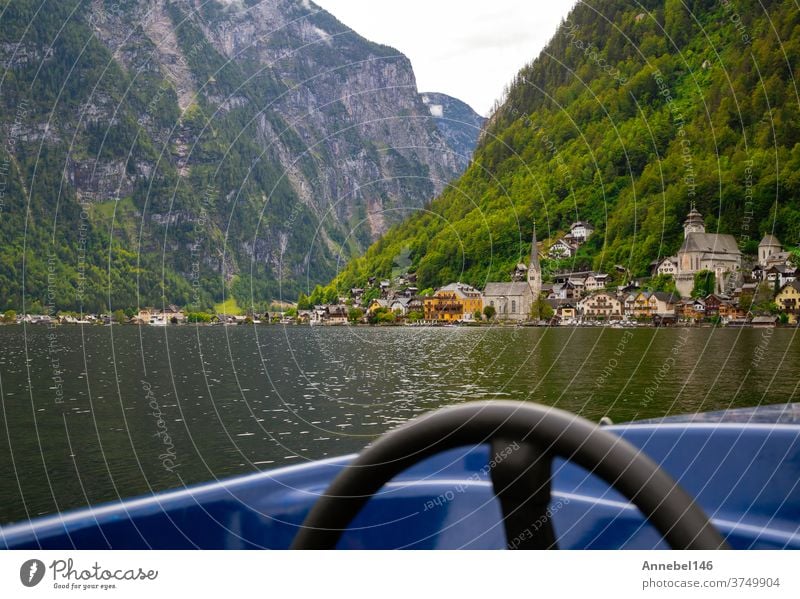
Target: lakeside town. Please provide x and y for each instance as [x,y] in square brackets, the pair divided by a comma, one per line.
[709,282]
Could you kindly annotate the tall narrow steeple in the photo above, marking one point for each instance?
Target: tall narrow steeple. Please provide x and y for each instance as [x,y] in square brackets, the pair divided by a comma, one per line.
[534,268]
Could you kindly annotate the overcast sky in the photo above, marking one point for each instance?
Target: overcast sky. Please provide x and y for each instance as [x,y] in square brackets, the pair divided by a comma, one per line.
[468,49]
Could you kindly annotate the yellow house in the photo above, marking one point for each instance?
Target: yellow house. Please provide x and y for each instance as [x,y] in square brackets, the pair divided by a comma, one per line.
[456,302]
[376,305]
[788,298]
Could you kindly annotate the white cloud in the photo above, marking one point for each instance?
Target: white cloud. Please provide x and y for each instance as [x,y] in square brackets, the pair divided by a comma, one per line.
[469,49]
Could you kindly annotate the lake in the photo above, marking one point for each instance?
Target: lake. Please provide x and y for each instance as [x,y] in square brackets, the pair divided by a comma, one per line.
[93,413]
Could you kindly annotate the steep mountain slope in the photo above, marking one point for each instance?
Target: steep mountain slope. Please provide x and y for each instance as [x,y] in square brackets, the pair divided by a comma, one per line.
[632,112]
[168,150]
[457,121]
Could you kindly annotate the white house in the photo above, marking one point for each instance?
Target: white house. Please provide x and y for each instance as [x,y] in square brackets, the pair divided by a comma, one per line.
[581,231]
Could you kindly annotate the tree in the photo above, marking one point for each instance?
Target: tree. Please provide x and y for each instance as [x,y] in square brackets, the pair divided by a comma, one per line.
[198,317]
[415,316]
[370,295]
[541,310]
[303,303]
[704,284]
[489,312]
[381,316]
[10,316]
[663,283]
[119,316]
[477,315]
[354,315]
[794,257]
[763,302]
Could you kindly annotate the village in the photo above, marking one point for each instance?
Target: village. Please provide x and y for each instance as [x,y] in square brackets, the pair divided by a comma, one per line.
[708,283]
[711,284]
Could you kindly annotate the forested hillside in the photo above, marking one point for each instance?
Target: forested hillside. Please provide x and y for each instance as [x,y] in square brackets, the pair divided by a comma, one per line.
[632,112]
[185,150]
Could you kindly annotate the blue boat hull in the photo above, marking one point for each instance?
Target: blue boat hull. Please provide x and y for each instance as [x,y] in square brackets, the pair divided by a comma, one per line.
[742,466]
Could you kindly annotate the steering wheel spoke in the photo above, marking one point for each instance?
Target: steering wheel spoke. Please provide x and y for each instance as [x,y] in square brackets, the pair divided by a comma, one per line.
[522,480]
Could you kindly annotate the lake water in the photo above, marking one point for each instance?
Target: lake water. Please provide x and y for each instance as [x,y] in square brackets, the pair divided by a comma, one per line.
[97,413]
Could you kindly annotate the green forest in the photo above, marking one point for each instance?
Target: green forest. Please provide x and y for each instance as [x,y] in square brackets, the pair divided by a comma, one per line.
[632,112]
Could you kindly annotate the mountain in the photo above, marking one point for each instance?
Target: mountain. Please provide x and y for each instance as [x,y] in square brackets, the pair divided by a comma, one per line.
[458,122]
[185,150]
[631,113]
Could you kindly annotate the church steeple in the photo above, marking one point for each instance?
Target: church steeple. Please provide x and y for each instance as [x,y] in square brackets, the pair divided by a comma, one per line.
[534,268]
[694,222]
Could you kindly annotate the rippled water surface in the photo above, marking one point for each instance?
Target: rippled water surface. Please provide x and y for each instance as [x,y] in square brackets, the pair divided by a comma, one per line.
[96,413]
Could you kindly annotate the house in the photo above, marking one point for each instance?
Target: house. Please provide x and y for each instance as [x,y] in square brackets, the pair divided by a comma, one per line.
[648,304]
[562,248]
[641,305]
[692,309]
[400,305]
[565,310]
[581,231]
[318,315]
[780,274]
[764,322]
[629,305]
[456,302]
[718,253]
[601,306]
[714,303]
[665,266]
[336,314]
[788,298]
[730,312]
[376,304]
[144,316]
[173,314]
[595,281]
[513,301]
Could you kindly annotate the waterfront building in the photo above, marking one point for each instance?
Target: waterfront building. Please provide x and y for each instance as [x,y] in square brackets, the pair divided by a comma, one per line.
[788,298]
[701,251]
[513,301]
[601,306]
[456,302]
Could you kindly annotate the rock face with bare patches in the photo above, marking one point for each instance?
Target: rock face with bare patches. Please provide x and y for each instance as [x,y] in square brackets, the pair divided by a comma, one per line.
[255,144]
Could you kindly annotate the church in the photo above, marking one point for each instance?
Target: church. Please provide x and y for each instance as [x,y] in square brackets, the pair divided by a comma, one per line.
[513,301]
[700,251]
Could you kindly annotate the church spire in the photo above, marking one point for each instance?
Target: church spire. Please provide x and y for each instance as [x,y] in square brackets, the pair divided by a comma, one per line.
[534,268]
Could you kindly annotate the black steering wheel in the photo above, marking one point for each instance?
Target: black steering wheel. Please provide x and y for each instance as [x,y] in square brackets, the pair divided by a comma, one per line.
[527,437]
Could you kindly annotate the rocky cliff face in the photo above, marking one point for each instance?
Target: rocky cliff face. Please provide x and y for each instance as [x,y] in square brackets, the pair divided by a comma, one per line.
[457,121]
[204,145]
